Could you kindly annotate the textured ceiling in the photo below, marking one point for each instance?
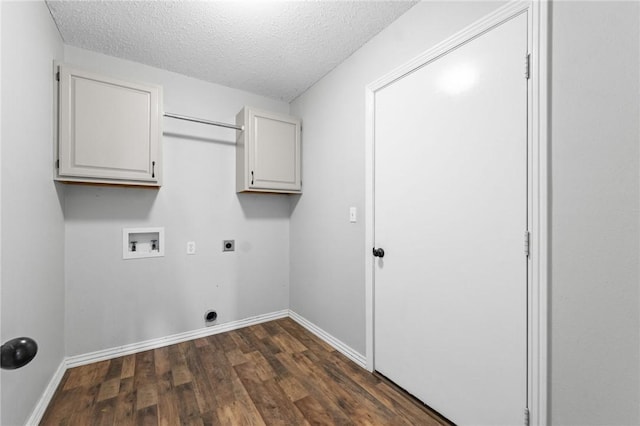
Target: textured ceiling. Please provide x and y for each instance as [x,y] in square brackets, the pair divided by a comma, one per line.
[273,48]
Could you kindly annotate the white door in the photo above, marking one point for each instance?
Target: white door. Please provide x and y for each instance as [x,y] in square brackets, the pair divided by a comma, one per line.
[450,213]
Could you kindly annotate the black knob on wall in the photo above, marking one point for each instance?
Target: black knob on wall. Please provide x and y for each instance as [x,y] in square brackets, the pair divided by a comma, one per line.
[378,252]
[18,352]
[210,316]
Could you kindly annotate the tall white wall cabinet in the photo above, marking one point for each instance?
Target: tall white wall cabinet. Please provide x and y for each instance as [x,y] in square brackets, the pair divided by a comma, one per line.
[109,131]
[267,152]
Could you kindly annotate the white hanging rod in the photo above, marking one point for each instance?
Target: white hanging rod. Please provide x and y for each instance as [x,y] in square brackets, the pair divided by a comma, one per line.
[200,120]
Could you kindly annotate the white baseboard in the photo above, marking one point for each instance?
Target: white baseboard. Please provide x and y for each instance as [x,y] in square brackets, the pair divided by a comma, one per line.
[43,402]
[340,346]
[78,360]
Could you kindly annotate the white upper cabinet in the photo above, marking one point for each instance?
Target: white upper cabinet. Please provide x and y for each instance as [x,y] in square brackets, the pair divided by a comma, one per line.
[109,131]
[267,152]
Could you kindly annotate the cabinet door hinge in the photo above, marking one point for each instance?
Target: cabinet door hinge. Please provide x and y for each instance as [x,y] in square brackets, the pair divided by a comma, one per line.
[526,417]
[58,163]
[58,76]
[527,243]
[527,66]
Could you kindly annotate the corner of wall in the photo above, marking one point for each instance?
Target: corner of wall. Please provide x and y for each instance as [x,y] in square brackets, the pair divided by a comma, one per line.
[31,218]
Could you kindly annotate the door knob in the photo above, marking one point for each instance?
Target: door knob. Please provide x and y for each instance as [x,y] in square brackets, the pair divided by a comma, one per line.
[378,252]
[18,352]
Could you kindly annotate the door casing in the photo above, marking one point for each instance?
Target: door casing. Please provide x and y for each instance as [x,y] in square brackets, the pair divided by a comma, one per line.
[538,180]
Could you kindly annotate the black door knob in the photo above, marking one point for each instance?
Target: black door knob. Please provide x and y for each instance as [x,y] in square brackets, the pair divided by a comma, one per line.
[18,352]
[378,252]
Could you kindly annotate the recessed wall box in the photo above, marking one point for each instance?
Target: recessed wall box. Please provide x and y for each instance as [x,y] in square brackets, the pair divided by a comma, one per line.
[139,243]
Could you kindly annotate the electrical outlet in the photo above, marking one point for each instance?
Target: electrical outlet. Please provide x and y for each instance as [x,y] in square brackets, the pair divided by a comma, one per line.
[228,245]
[191,247]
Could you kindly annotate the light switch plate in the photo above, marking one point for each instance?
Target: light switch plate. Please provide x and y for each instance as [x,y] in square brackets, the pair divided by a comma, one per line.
[353,215]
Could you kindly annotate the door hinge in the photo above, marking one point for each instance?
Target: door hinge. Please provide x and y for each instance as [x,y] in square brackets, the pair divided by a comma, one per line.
[527,66]
[58,163]
[527,243]
[58,76]
[526,417]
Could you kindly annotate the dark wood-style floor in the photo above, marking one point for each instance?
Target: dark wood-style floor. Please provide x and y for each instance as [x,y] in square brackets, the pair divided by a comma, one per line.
[275,373]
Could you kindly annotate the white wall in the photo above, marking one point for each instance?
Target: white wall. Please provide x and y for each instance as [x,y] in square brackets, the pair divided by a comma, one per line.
[327,251]
[113,302]
[0,203]
[32,221]
[595,376]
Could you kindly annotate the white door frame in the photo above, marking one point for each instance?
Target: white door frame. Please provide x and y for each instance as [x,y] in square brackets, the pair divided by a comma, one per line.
[538,192]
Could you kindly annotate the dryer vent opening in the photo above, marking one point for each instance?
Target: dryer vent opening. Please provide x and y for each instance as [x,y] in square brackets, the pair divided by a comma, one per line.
[210,316]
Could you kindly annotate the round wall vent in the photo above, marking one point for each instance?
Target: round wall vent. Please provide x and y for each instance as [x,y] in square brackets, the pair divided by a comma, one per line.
[210,316]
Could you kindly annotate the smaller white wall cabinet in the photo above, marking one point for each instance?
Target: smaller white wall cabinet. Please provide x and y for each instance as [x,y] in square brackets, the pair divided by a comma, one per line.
[108,130]
[267,152]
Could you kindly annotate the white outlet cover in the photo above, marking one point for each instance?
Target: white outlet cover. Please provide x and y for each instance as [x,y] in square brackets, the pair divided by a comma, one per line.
[191,247]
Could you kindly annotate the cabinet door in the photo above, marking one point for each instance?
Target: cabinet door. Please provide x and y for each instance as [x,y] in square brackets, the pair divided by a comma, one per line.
[274,151]
[109,130]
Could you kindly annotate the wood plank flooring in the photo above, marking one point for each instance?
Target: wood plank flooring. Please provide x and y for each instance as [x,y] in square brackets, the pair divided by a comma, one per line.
[275,373]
